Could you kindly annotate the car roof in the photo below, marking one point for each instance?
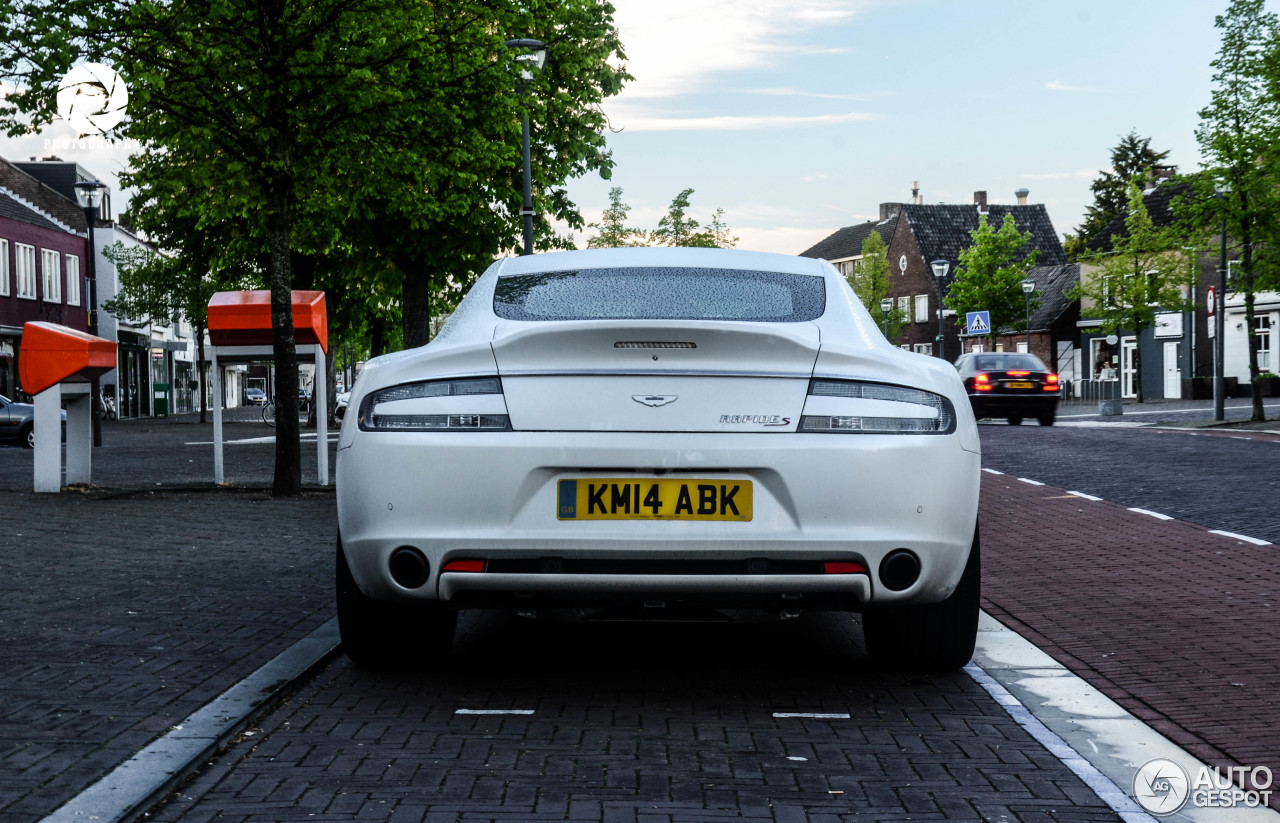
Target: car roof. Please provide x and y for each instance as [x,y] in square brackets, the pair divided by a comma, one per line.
[662,257]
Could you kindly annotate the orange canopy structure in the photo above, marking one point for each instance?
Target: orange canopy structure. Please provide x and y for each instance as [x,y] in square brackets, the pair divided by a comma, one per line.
[243,318]
[53,354]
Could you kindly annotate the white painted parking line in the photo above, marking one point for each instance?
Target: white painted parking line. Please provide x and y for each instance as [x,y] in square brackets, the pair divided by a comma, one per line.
[992,471]
[1089,732]
[1032,482]
[1255,541]
[494,711]
[815,715]
[1087,496]
[1156,515]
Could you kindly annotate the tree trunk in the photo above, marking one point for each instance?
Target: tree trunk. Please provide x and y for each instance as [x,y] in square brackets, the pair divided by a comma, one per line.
[416,304]
[200,373]
[1137,367]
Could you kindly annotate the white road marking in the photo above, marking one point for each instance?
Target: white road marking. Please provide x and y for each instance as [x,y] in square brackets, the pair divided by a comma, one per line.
[494,711]
[1255,541]
[1032,482]
[992,471]
[815,715]
[1087,496]
[1156,515]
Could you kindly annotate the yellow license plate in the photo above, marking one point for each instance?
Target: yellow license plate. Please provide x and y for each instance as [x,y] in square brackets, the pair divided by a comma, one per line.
[1021,385]
[609,498]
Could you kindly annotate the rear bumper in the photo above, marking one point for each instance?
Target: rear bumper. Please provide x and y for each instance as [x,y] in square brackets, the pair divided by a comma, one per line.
[817,497]
[1003,405]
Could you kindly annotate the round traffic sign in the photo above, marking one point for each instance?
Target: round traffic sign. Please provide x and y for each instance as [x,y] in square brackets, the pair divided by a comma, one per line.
[1211,300]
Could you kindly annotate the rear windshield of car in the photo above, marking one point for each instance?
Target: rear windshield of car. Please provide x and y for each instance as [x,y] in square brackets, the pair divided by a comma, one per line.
[1004,362]
[661,294]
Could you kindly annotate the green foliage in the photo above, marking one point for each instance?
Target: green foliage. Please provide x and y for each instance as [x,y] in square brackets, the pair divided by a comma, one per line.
[990,274]
[1239,136]
[1131,159]
[870,281]
[612,231]
[1144,274]
[675,228]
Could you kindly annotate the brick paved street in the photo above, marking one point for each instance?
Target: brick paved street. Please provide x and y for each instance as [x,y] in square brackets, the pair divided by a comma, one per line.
[656,722]
[119,617]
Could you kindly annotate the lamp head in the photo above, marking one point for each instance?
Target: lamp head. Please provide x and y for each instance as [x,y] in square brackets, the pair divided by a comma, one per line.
[886,304]
[940,268]
[89,193]
[1028,286]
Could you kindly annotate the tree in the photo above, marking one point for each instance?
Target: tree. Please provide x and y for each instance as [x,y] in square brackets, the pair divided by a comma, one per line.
[384,123]
[1131,159]
[1239,135]
[870,281]
[612,230]
[677,229]
[1143,275]
[990,274]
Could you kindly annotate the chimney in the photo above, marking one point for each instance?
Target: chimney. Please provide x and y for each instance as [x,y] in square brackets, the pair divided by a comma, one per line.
[888,210]
[915,192]
[1021,194]
[980,200]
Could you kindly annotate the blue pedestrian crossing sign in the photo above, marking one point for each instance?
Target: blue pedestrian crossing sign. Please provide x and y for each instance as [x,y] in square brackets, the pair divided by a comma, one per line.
[978,322]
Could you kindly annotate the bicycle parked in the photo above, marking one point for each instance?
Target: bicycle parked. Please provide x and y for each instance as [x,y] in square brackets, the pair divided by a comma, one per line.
[304,412]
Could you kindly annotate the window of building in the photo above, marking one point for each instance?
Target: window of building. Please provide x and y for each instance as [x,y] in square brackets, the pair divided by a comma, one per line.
[4,268]
[1022,347]
[976,348]
[24,264]
[904,304]
[73,280]
[924,348]
[51,268]
[1262,331]
[922,308]
[1103,357]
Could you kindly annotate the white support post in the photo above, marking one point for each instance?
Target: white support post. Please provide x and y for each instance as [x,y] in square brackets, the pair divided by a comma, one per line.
[48,440]
[216,374]
[79,399]
[320,399]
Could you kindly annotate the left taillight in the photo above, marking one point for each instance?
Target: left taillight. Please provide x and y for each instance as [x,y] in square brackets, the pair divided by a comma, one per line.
[472,404]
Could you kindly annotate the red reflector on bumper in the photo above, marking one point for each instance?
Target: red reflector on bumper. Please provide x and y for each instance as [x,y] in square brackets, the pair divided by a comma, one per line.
[464,566]
[843,568]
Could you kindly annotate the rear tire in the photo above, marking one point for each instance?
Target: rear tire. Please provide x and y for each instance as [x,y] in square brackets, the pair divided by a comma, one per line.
[1015,421]
[380,635]
[1046,419]
[933,637]
[27,436]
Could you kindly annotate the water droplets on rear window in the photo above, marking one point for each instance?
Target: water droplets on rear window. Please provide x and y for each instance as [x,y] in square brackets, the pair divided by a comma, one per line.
[664,293]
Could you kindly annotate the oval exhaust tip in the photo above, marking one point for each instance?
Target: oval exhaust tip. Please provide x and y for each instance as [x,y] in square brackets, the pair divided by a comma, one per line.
[899,569]
[409,567]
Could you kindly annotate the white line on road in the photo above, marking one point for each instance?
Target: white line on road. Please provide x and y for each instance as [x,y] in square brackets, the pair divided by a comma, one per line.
[1029,480]
[992,471]
[1255,541]
[815,715]
[1087,496]
[1156,515]
[494,711]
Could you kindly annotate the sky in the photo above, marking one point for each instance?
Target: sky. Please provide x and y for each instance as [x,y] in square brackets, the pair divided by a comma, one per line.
[798,117]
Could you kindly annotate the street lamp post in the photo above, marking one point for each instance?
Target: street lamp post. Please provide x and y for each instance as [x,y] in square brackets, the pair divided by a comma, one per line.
[533,59]
[940,269]
[886,305]
[1219,317]
[1028,287]
[89,193]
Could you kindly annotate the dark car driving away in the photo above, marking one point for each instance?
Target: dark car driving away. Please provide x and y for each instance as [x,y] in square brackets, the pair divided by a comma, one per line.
[1010,385]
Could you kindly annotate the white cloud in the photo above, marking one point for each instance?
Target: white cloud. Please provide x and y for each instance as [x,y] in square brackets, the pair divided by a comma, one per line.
[674,47]
[789,92]
[1054,85]
[637,119]
[1062,175]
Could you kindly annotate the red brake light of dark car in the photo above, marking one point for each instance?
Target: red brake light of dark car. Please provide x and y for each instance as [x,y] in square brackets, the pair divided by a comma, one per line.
[982,378]
[982,382]
[1053,378]
[464,566]
[1018,373]
[843,568]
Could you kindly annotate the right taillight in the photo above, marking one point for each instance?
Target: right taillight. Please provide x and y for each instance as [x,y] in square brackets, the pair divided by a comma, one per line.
[855,407]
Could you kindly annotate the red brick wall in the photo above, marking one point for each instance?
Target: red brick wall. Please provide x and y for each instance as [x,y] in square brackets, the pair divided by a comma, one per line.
[15,311]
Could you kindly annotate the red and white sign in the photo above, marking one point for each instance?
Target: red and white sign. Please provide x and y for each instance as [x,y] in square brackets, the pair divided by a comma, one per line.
[1211,301]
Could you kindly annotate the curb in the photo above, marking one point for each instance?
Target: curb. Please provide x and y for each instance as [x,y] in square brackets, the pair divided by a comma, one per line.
[137,784]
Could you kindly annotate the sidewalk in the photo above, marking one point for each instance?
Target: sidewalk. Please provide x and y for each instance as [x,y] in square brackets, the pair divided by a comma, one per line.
[1193,413]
